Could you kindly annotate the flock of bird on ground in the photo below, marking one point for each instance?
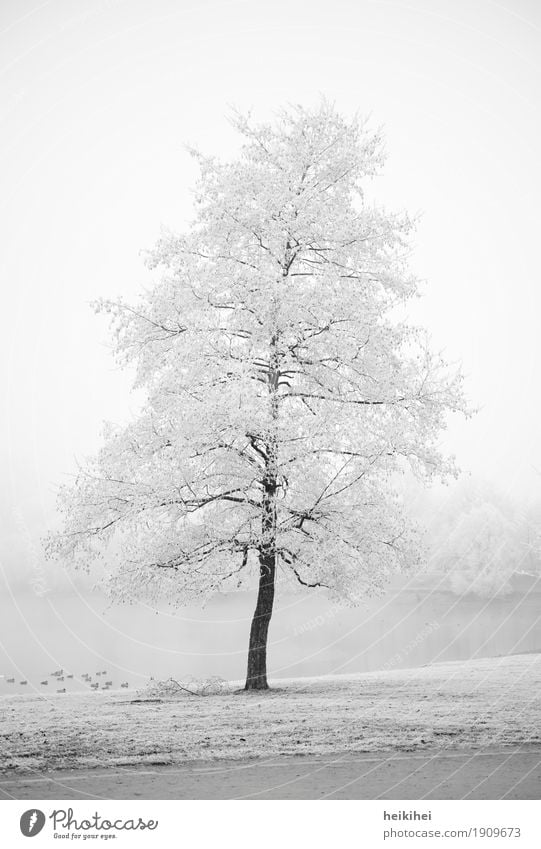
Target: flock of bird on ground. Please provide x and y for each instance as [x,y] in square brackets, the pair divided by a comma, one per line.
[60,675]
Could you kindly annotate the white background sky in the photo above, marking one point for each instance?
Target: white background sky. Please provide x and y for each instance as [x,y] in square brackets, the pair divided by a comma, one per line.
[98,97]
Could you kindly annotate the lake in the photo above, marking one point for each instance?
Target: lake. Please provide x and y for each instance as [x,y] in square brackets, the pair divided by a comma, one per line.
[415,623]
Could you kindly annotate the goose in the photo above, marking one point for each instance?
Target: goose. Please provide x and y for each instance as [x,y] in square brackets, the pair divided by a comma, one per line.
[44,683]
[125,684]
[10,680]
[108,683]
[63,690]
[69,676]
[23,682]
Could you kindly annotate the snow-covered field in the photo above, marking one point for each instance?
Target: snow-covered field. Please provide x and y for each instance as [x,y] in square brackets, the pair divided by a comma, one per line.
[487,702]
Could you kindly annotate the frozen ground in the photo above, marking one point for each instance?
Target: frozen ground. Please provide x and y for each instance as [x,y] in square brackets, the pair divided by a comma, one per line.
[488,703]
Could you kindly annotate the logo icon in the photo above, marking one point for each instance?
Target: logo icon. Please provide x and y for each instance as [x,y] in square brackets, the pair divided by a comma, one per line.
[32,822]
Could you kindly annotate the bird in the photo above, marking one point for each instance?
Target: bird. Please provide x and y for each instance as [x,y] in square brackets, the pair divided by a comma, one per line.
[60,677]
[44,683]
[125,684]
[108,683]
[23,682]
[69,676]
[10,680]
[63,690]
[94,686]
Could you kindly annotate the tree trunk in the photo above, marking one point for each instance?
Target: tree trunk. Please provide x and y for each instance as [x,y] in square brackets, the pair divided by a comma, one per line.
[256,676]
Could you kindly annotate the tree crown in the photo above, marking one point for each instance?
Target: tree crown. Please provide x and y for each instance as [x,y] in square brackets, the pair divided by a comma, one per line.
[277,378]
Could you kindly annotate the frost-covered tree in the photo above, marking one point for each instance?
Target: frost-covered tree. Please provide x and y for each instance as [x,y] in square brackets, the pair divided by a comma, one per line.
[479,541]
[481,553]
[283,390]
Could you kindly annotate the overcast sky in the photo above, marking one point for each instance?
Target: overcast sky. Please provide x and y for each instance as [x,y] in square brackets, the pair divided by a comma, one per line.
[98,98]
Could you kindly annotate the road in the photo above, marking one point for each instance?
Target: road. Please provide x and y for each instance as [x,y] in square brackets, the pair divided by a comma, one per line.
[477,774]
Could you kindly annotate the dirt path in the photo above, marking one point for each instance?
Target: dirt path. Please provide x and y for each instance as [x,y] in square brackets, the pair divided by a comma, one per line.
[509,773]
